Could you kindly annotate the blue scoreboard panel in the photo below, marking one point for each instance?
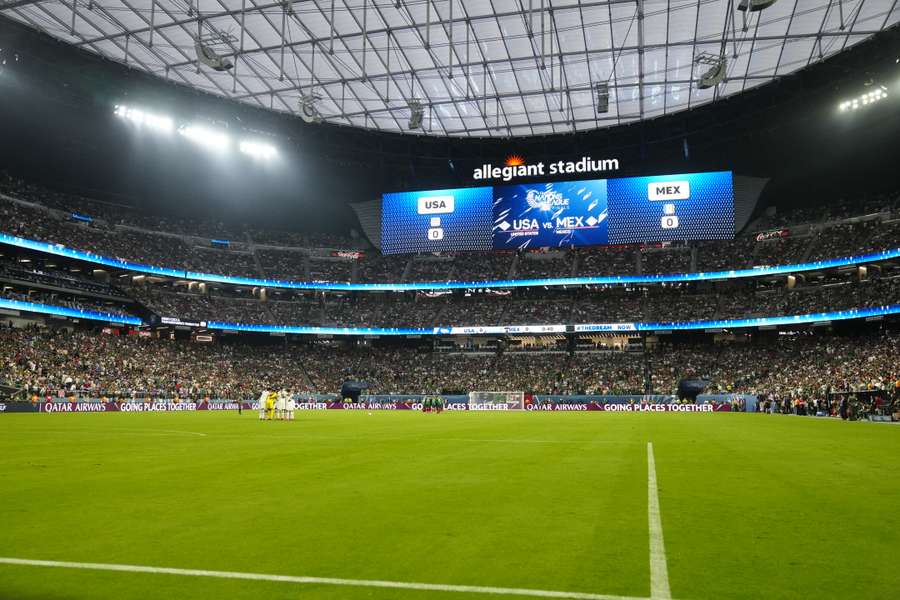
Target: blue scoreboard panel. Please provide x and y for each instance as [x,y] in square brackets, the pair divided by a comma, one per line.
[693,206]
[455,220]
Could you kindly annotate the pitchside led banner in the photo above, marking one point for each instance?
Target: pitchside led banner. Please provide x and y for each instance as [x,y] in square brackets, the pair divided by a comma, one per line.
[695,206]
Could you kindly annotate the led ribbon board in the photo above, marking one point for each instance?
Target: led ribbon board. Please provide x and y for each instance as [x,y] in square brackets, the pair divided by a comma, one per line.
[60,250]
[63,311]
[858,313]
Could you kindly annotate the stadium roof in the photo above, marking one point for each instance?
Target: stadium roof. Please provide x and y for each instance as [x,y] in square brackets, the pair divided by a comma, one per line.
[479,67]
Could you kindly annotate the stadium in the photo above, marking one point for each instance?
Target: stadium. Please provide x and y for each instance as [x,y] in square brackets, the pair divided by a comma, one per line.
[297,298]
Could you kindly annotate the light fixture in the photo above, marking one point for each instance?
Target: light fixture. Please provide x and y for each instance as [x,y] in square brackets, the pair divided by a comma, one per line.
[755,5]
[309,111]
[602,98]
[257,150]
[876,95]
[716,73]
[206,137]
[139,117]
[416,114]
[209,57]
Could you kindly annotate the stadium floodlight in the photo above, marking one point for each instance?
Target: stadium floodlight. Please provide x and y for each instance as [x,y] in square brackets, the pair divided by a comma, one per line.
[139,117]
[876,95]
[209,138]
[718,68]
[602,98]
[257,150]
[755,5]
[416,114]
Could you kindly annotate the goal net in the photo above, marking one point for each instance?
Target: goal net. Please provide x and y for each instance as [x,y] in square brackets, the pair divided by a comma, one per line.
[496,400]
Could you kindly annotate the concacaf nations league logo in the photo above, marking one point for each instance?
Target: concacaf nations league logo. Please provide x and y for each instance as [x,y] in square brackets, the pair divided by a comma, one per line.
[545,200]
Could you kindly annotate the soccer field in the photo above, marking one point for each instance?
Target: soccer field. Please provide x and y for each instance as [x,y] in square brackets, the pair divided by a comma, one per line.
[750,506]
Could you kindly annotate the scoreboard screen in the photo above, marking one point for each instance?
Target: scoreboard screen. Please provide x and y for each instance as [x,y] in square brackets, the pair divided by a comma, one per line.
[693,206]
[455,220]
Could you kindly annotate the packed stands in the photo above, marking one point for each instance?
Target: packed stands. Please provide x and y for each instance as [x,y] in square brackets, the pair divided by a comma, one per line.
[60,363]
[524,306]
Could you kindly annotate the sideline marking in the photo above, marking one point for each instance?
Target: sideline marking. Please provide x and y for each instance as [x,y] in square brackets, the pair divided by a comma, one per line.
[527,441]
[374,583]
[659,572]
[119,432]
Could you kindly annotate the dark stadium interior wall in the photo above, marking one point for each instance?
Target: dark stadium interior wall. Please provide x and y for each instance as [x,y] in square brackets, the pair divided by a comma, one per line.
[57,127]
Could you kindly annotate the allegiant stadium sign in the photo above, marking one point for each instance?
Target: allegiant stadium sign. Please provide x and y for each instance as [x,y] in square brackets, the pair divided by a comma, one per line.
[515,167]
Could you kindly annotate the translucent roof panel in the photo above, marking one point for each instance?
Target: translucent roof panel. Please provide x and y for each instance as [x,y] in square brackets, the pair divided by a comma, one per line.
[476,67]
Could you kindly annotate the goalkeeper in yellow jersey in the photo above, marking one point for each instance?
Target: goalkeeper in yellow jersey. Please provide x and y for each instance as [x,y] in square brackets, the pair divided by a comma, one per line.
[270,405]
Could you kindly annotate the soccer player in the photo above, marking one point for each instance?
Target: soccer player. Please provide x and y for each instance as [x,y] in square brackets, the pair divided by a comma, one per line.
[263,399]
[291,406]
[279,405]
[270,405]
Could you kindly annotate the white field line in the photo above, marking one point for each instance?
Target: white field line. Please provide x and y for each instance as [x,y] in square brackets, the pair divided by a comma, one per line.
[526,441]
[370,583]
[659,571]
[179,431]
[312,437]
[156,432]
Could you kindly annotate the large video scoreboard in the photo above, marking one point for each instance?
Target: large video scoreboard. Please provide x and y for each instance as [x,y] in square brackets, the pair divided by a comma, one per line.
[659,208]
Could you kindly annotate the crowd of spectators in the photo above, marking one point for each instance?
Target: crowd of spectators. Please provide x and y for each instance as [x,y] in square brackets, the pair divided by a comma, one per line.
[804,367]
[533,266]
[284,264]
[518,307]
[842,209]
[793,367]
[718,256]
[843,240]
[375,268]
[606,260]
[675,259]
[29,272]
[430,268]
[59,364]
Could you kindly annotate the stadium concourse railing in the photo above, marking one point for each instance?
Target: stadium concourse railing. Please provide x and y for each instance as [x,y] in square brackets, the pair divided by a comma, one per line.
[811,318]
[90,257]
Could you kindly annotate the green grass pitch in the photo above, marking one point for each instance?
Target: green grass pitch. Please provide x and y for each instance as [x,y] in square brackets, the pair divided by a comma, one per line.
[752,506]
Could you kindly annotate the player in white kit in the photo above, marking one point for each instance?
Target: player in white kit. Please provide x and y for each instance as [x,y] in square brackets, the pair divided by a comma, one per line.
[291,406]
[281,405]
[262,404]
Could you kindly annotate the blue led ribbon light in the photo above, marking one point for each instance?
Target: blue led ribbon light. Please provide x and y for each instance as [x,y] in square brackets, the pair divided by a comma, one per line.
[857,313]
[74,313]
[60,250]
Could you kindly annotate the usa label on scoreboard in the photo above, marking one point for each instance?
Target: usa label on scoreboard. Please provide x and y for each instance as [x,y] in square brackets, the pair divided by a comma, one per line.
[570,213]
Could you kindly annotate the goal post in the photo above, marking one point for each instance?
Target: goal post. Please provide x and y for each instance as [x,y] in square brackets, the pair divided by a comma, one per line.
[496,400]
